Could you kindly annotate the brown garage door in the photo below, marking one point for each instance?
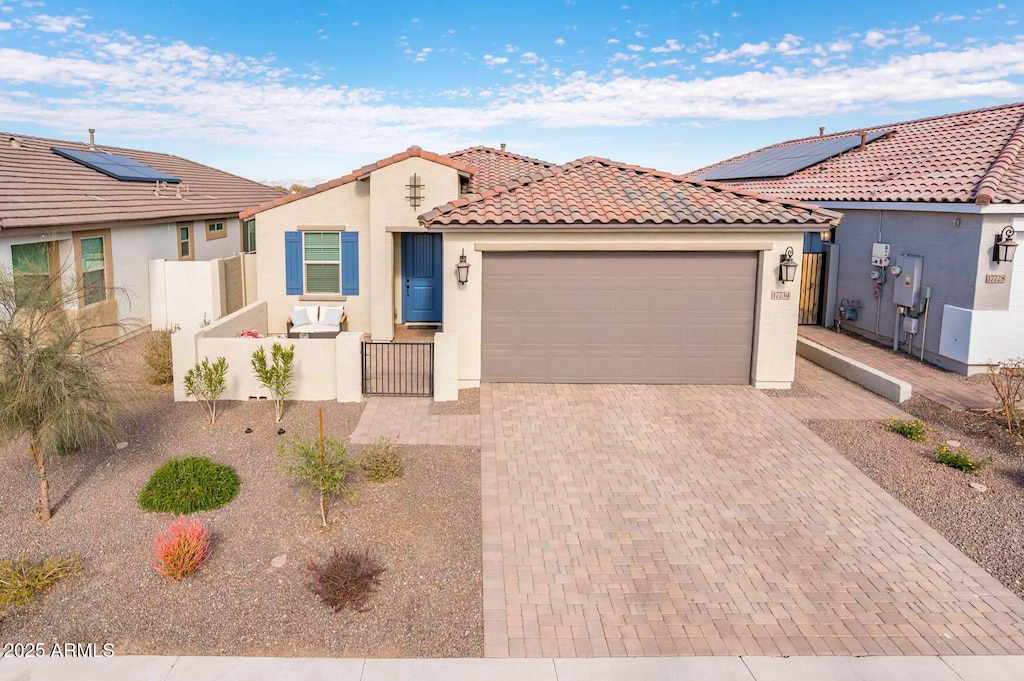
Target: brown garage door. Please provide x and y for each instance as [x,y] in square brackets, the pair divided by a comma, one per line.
[622,317]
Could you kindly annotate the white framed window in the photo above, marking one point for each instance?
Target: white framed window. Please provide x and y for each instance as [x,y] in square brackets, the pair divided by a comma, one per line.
[215,229]
[321,261]
[94,269]
[185,241]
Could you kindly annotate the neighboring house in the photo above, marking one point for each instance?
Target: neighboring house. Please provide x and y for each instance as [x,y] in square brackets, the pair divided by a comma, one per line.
[589,272]
[940,192]
[102,213]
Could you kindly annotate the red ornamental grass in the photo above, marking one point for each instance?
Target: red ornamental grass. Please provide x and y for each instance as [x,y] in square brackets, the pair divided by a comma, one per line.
[182,548]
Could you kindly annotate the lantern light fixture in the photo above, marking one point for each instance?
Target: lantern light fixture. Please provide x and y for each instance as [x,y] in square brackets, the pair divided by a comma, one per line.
[1005,247]
[462,269]
[787,266]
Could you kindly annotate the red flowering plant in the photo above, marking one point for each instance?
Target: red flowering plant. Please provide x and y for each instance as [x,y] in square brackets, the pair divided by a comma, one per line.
[182,548]
[250,333]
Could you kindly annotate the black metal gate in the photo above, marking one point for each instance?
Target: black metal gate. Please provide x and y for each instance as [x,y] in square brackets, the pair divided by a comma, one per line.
[398,369]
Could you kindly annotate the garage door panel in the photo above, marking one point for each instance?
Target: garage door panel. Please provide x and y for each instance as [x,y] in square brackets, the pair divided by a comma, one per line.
[618,317]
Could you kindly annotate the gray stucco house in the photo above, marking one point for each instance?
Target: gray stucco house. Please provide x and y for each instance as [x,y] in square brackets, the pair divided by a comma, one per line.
[927,204]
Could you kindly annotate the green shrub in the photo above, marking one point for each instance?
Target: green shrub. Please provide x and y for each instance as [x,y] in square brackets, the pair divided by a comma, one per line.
[912,430]
[157,354]
[959,459]
[21,580]
[181,548]
[346,579]
[381,460]
[206,382]
[277,376]
[326,467]
[189,484]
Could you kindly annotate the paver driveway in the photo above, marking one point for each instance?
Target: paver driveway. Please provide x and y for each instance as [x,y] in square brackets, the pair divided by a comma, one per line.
[678,520]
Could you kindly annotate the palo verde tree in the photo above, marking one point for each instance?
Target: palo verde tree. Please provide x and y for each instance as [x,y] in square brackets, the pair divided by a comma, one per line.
[51,386]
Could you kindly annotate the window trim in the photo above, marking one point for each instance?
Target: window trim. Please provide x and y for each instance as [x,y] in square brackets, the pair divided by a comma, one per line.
[191,241]
[221,233]
[305,272]
[108,262]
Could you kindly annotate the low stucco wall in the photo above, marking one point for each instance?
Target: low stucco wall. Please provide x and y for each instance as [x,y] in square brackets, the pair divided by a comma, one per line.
[878,382]
[324,369]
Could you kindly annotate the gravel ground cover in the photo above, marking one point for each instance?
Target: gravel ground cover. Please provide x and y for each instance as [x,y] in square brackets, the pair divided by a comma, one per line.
[251,597]
[986,523]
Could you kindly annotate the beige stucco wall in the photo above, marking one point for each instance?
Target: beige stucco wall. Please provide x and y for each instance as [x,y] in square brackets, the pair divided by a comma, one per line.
[378,209]
[775,321]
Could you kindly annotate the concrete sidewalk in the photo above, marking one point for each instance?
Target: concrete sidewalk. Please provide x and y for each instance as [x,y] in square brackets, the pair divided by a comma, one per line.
[825,668]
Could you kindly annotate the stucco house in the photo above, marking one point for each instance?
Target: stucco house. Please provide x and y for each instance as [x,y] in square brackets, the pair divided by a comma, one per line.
[927,205]
[103,213]
[591,272]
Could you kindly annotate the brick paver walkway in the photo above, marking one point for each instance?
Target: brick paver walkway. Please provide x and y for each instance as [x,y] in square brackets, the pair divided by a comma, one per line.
[938,385]
[696,520]
[408,419]
[834,398]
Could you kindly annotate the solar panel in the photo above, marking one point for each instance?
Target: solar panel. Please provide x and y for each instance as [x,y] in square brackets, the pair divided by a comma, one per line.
[786,160]
[116,166]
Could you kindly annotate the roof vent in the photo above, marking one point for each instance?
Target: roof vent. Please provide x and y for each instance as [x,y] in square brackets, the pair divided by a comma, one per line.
[92,139]
[503,146]
[15,143]
[821,131]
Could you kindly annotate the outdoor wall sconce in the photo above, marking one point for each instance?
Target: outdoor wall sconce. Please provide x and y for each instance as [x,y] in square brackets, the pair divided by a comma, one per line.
[462,269]
[787,266]
[1005,247]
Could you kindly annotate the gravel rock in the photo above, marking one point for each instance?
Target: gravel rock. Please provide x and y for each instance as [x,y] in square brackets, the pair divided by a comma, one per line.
[989,527]
[424,527]
[468,404]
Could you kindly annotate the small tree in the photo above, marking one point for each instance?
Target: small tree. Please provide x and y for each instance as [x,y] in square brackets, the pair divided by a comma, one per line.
[1007,379]
[51,381]
[277,376]
[324,467]
[206,382]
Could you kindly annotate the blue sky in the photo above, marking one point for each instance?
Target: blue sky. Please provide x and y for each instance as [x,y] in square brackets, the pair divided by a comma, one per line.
[296,91]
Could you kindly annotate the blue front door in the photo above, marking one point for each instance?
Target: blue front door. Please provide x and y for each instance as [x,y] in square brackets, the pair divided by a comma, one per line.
[421,277]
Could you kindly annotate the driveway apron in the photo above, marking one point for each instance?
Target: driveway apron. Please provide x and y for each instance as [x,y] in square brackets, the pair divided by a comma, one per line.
[706,520]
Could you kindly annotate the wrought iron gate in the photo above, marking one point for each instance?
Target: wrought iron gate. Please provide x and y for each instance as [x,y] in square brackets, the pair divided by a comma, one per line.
[398,369]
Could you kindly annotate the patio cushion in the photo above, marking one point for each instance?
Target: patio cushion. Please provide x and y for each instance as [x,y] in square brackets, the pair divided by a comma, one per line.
[331,316]
[303,316]
[313,328]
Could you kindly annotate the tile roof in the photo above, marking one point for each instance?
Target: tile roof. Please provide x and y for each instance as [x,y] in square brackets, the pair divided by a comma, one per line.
[411,152]
[38,188]
[968,157]
[495,167]
[598,191]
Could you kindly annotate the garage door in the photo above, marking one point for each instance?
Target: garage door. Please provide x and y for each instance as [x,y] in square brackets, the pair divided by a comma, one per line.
[618,317]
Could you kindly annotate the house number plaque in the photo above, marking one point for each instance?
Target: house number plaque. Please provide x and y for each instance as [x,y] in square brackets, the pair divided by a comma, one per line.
[780,295]
[995,278]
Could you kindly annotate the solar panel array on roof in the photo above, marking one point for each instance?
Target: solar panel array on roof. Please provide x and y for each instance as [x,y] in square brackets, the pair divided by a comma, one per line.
[786,160]
[116,166]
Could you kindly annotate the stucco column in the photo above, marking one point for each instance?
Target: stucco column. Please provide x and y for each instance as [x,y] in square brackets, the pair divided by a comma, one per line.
[382,295]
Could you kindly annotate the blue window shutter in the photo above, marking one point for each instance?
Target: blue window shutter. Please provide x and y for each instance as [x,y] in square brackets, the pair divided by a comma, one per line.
[350,263]
[293,263]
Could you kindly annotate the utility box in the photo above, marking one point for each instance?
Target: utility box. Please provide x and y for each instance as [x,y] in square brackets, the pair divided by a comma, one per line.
[911,325]
[879,255]
[906,290]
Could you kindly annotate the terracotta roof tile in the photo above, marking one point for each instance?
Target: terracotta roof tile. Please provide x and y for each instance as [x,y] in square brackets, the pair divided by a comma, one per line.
[411,152]
[495,167]
[602,192]
[38,188]
[973,156]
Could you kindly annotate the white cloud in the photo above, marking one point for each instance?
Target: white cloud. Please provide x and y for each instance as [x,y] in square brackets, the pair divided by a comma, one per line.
[635,48]
[5,25]
[491,60]
[670,45]
[953,17]
[789,45]
[840,46]
[560,42]
[734,15]
[878,39]
[613,41]
[510,49]
[529,58]
[422,55]
[743,51]
[142,87]
[48,24]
